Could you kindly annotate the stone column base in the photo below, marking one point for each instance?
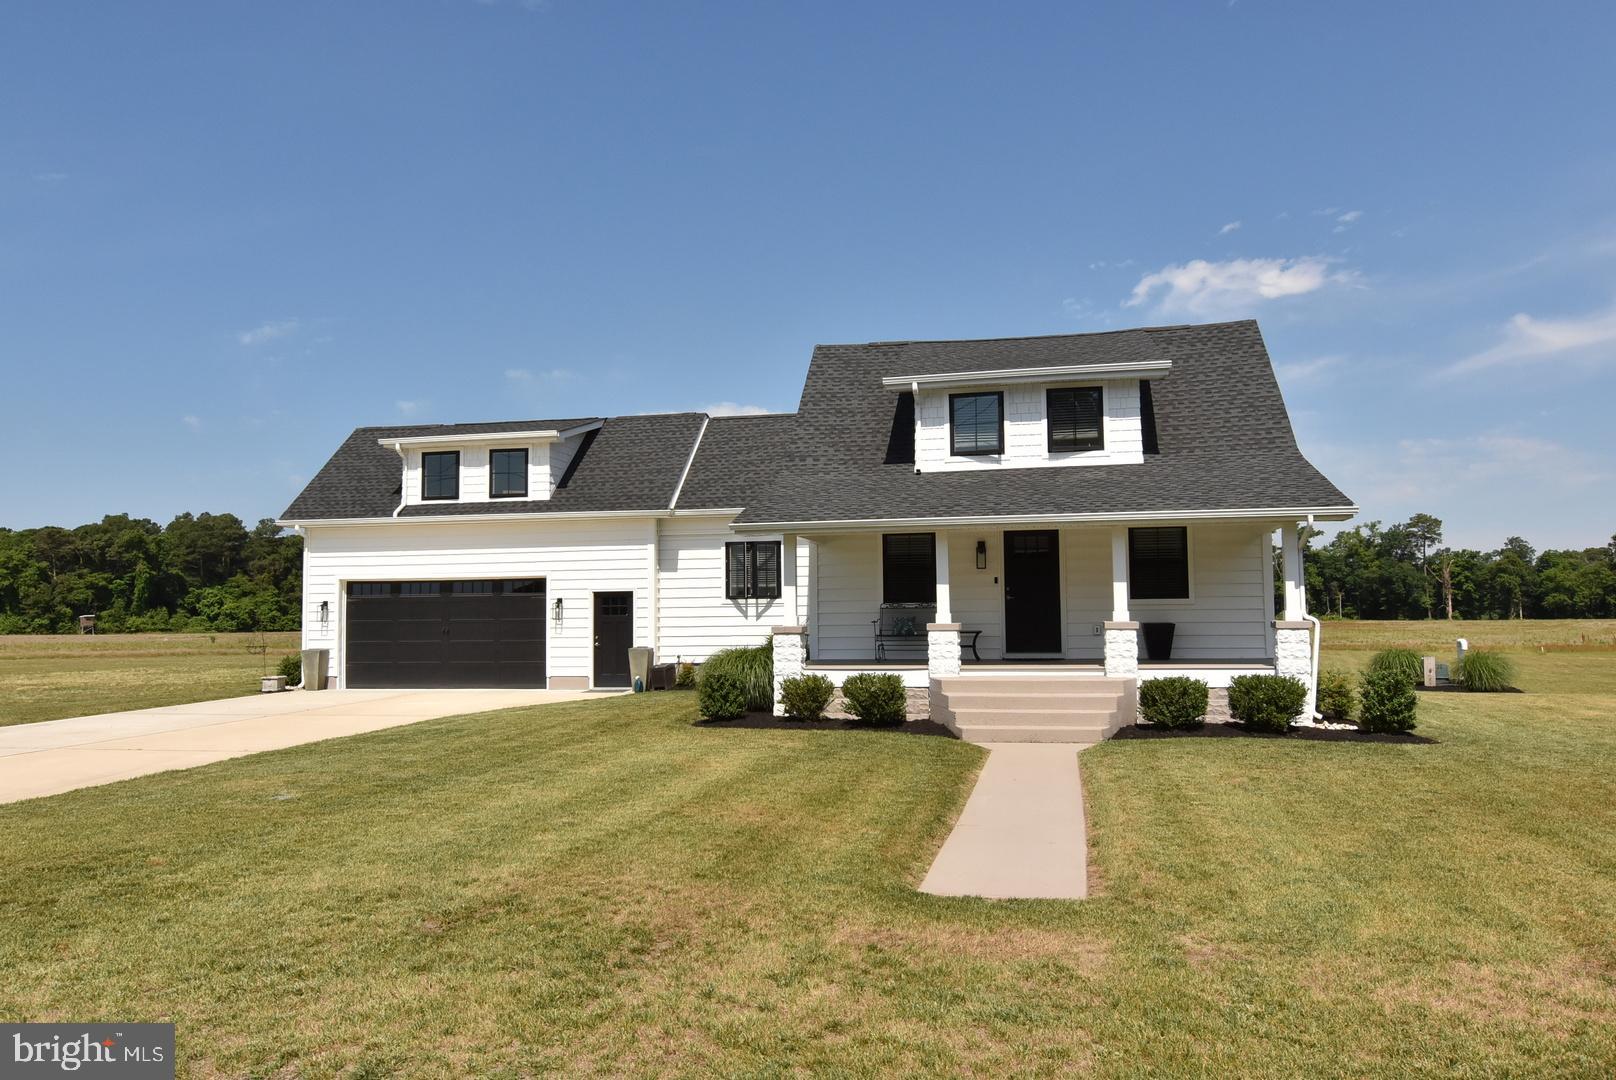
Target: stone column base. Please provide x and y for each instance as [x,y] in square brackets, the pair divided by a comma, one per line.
[1122,650]
[790,654]
[1293,656]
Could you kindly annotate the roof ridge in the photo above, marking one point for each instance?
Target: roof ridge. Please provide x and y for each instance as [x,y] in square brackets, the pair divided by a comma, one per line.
[1033,337]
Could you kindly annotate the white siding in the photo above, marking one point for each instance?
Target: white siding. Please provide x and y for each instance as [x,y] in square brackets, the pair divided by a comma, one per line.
[577,559]
[546,462]
[696,618]
[1026,430]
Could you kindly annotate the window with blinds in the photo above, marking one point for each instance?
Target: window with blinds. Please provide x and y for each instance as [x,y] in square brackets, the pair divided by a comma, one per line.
[909,568]
[977,423]
[1159,563]
[1076,419]
[752,570]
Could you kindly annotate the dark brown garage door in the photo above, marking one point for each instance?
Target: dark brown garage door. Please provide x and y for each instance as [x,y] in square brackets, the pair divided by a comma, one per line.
[425,634]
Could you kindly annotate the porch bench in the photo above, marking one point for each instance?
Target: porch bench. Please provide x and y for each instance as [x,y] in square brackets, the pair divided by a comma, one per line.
[904,626]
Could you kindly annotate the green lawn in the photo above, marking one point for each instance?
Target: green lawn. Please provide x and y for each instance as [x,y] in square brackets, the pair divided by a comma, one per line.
[49,676]
[602,887]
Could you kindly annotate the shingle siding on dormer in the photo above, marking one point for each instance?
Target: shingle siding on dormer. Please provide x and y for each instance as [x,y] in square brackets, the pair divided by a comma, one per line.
[1026,429]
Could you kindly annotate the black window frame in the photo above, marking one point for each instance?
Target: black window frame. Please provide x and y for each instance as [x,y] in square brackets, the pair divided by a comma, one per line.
[493,491]
[901,571]
[1147,580]
[742,578]
[426,477]
[953,427]
[1077,446]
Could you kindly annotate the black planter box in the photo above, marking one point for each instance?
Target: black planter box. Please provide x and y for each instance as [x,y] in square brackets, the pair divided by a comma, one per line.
[1158,640]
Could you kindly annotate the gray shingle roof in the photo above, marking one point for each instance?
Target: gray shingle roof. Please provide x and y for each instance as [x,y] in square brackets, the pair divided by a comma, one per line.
[632,463]
[1225,438]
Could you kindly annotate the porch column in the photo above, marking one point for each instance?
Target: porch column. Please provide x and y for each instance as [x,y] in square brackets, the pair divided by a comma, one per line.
[945,607]
[1293,634]
[788,580]
[1121,633]
[790,653]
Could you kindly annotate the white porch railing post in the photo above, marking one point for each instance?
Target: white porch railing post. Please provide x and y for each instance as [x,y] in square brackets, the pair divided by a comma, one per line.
[1293,634]
[788,580]
[945,607]
[1121,633]
[1295,593]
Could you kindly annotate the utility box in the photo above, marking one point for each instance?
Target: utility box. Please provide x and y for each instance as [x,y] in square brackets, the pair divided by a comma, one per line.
[1429,670]
[316,666]
[639,668]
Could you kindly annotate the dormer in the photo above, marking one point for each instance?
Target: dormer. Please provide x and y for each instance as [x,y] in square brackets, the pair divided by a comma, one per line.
[1068,415]
[487,467]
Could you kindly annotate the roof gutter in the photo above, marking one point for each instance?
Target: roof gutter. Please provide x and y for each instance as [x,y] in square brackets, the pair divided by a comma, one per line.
[403,478]
[534,435]
[451,519]
[1138,369]
[1326,513]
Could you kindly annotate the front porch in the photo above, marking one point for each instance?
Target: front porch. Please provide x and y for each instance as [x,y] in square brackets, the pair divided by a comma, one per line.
[1046,606]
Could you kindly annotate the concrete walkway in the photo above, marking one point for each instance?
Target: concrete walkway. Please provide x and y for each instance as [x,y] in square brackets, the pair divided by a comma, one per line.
[60,755]
[1021,835]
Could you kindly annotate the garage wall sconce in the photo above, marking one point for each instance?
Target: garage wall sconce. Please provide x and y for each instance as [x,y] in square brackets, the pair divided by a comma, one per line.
[555,610]
[325,613]
[981,554]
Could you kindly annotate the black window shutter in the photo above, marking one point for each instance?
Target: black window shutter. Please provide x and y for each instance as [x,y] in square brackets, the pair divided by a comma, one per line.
[1075,419]
[909,568]
[766,570]
[737,571]
[1159,563]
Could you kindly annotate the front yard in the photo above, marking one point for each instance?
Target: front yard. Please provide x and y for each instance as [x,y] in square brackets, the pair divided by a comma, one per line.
[602,887]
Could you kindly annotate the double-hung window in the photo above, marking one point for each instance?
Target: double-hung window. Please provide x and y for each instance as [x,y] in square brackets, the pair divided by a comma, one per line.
[507,474]
[1076,419]
[1159,564]
[976,423]
[440,475]
[909,568]
[752,570]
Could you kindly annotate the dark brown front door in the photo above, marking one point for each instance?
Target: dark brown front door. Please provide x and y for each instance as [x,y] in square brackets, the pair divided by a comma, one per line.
[1032,592]
[614,634]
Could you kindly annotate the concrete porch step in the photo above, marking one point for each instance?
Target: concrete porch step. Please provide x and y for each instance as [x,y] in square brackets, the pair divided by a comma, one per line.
[991,717]
[1018,699]
[1006,733]
[1030,684]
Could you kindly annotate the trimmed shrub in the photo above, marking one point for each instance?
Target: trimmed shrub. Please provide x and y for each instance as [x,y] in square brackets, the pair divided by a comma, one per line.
[292,667]
[720,696]
[1485,672]
[1388,702]
[806,697]
[753,669]
[1405,662]
[1266,702]
[685,677]
[876,700]
[1175,702]
[1338,700]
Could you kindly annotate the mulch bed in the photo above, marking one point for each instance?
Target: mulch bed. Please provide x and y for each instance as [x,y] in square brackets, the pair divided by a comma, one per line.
[761,721]
[1237,730]
[1458,688]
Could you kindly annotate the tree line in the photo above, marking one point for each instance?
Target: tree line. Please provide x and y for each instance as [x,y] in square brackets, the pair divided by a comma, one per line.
[1403,571]
[202,572]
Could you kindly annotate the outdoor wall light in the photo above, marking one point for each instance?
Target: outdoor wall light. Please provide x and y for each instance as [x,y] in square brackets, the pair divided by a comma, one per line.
[325,613]
[555,609]
[981,554]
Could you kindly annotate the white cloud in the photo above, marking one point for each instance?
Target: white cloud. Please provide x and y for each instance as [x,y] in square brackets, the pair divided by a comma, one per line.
[1229,228]
[410,408]
[192,422]
[1529,341]
[1306,370]
[269,331]
[1200,287]
[1349,217]
[526,375]
[731,408]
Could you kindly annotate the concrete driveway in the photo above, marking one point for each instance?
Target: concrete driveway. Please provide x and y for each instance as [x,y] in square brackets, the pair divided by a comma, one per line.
[60,755]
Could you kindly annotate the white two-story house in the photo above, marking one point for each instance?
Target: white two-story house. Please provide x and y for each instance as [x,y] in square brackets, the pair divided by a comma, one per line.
[1100,506]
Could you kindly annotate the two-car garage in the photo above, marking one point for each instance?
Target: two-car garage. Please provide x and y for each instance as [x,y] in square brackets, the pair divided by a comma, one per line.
[428,634]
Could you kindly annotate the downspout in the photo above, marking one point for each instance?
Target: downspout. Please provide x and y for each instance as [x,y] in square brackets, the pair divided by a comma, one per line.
[403,477]
[1318,629]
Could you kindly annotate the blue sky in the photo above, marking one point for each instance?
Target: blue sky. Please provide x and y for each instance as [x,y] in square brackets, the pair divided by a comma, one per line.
[231,232]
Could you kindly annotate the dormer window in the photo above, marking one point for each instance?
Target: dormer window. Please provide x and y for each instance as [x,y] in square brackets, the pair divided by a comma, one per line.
[1076,419]
[440,475]
[507,474]
[977,423]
